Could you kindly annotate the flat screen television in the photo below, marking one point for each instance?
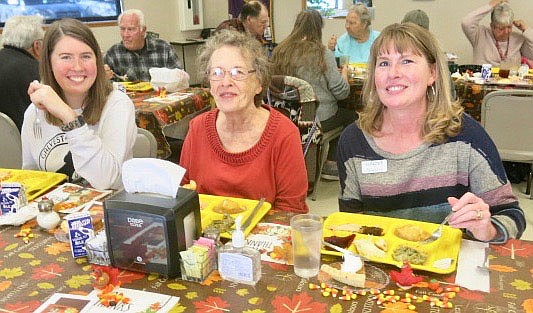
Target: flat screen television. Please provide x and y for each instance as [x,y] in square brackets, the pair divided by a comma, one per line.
[51,10]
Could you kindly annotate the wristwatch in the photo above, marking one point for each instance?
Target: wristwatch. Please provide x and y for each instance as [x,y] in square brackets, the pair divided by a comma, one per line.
[77,123]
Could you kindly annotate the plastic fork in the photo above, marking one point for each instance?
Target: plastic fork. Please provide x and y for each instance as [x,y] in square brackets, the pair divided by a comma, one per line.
[438,232]
[37,130]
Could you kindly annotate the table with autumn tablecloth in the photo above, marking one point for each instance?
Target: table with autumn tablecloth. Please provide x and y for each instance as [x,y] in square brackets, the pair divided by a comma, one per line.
[155,116]
[31,272]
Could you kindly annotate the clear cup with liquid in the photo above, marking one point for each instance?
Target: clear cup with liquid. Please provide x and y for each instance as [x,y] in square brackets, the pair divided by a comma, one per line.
[306,233]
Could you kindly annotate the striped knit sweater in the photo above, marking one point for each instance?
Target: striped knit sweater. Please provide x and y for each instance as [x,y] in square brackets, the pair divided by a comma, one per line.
[416,184]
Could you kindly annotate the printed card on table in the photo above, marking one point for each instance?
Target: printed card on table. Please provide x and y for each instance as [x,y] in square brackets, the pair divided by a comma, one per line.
[64,303]
[273,241]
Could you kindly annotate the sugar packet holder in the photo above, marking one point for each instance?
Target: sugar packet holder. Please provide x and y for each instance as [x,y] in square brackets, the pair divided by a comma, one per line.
[199,260]
[80,229]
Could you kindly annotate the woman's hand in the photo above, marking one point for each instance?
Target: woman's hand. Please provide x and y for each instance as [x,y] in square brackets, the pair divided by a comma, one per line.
[45,98]
[520,24]
[473,214]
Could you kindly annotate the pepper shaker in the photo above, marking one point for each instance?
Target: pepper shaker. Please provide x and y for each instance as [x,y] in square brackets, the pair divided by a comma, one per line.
[47,218]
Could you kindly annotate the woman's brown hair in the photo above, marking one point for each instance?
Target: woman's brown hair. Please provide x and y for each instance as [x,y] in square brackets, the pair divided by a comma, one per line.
[97,95]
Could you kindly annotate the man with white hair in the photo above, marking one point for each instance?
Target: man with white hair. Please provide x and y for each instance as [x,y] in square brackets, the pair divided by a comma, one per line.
[19,65]
[359,36]
[498,43]
[137,53]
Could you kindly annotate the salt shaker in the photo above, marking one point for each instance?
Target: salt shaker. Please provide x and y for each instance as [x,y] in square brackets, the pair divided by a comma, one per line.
[47,218]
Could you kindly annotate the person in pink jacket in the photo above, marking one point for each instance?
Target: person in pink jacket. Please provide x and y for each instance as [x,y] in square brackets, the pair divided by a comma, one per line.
[499,43]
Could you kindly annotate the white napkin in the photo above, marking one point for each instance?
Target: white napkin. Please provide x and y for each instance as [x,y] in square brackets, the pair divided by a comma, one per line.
[152,175]
[472,255]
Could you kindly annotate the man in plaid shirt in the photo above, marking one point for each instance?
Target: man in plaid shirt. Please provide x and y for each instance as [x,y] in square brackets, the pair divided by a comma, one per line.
[136,54]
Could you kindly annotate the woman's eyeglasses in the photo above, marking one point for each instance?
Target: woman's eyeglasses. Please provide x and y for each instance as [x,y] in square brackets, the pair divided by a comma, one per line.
[235,73]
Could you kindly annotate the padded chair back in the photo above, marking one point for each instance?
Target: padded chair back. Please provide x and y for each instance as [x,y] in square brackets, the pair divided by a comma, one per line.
[296,98]
[145,144]
[507,115]
[11,156]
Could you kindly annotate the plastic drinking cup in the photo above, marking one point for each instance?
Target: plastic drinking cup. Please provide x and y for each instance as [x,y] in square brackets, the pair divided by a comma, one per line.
[306,232]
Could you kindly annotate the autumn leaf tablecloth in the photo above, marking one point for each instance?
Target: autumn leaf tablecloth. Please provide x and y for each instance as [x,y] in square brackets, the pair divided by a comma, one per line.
[30,273]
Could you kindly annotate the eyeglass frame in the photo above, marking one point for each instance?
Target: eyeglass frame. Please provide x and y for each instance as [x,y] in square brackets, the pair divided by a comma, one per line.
[224,71]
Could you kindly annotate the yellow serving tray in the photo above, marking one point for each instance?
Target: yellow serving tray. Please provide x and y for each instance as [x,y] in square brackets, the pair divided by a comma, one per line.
[447,246]
[137,86]
[36,182]
[208,202]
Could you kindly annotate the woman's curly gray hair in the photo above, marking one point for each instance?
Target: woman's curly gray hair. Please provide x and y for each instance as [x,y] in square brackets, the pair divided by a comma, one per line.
[251,50]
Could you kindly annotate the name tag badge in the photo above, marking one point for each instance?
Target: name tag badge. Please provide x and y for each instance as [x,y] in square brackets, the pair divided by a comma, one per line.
[377,166]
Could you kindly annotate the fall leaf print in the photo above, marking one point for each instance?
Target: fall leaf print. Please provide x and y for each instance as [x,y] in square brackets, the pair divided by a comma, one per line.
[520,248]
[396,307]
[521,284]
[213,277]
[78,281]
[9,273]
[21,307]
[26,256]
[528,305]
[191,295]
[57,248]
[176,286]
[3,243]
[211,305]
[178,308]
[242,292]
[254,311]
[5,284]
[45,286]
[336,308]
[502,268]
[279,267]
[471,295]
[300,302]
[49,271]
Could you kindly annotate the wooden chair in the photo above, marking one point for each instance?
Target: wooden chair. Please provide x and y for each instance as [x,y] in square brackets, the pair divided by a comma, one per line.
[507,115]
[297,100]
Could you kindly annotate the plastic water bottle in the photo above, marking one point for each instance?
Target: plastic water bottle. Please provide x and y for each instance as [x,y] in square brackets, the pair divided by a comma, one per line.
[523,70]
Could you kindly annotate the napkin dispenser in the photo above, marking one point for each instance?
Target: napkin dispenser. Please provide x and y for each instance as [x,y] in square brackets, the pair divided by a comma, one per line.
[146,231]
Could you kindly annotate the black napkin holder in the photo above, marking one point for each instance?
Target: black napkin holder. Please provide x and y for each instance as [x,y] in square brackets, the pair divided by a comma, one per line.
[145,231]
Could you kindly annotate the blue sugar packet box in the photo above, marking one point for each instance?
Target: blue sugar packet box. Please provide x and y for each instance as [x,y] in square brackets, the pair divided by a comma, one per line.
[80,229]
[12,197]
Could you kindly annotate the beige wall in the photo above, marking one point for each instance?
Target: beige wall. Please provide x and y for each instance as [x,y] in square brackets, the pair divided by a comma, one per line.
[445,17]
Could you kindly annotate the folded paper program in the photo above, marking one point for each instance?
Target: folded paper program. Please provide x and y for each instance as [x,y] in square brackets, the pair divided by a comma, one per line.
[152,175]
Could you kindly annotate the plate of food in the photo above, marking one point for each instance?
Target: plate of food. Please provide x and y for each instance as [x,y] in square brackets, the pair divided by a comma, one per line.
[393,241]
[35,182]
[221,211]
[367,277]
[70,198]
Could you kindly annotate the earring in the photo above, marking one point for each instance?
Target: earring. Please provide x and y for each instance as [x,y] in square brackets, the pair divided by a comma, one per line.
[431,95]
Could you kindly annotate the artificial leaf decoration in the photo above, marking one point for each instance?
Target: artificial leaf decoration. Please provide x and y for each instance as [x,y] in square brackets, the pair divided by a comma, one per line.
[48,271]
[9,273]
[212,305]
[502,268]
[528,305]
[521,284]
[5,284]
[57,248]
[213,277]
[396,307]
[300,302]
[405,277]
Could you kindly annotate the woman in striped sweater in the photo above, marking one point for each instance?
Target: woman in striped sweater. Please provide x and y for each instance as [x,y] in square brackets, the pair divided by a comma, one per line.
[414,154]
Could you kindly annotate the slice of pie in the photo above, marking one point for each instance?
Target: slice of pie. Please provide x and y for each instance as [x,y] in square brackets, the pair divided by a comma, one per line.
[355,279]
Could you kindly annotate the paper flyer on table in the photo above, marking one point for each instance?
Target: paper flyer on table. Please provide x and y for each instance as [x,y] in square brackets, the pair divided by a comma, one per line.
[140,301]
[273,241]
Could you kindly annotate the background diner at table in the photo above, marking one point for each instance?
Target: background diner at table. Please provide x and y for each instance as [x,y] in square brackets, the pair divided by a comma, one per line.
[243,148]
[302,54]
[132,58]
[414,154]
[77,124]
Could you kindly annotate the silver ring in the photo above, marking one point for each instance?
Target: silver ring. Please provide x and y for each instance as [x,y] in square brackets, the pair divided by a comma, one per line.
[479,215]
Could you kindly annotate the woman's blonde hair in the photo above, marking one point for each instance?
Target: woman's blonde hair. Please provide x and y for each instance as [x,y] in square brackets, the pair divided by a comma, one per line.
[303,48]
[443,116]
[97,95]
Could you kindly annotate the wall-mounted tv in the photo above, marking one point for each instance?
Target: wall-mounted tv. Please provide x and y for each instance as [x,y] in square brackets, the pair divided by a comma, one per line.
[51,10]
